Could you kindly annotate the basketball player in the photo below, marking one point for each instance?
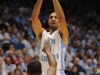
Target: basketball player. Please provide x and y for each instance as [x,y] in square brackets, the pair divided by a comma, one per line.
[34,67]
[58,34]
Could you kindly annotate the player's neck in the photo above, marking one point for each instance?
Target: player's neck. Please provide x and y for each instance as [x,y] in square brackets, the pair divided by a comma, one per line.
[51,31]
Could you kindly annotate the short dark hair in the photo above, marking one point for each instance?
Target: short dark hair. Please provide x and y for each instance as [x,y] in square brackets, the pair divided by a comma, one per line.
[10,73]
[34,67]
[18,64]
[18,70]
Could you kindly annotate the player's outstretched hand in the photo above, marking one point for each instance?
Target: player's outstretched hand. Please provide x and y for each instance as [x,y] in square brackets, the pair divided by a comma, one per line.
[47,47]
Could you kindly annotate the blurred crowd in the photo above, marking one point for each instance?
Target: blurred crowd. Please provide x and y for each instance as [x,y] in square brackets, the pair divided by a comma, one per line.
[18,43]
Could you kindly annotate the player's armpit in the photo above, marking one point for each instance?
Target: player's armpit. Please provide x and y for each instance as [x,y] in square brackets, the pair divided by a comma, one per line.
[65,40]
[51,71]
[63,30]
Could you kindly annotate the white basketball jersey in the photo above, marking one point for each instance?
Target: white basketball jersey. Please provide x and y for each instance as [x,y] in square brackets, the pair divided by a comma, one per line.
[55,41]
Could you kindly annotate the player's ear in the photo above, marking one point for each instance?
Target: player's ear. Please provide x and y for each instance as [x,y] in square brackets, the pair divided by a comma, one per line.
[48,22]
[28,72]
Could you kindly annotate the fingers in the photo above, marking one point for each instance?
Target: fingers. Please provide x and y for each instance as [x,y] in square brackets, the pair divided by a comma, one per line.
[47,46]
[43,50]
[47,42]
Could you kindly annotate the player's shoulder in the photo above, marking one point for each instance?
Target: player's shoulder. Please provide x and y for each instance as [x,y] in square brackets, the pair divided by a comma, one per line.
[44,31]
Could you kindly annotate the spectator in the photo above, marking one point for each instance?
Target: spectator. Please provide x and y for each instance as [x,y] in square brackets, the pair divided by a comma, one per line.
[79,54]
[24,64]
[85,41]
[2,68]
[25,42]
[19,45]
[14,36]
[24,53]
[2,53]
[83,62]
[68,66]
[17,72]
[32,52]
[95,71]
[98,43]
[98,68]
[28,27]
[92,37]
[69,54]
[9,29]
[78,47]
[89,67]
[10,73]
[3,25]
[8,66]
[24,73]
[97,53]
[77,63]
[20,19]
[74,71]
[98,60]
[36,57]
[18,58]
[11,47]
[2,63]
[11,56]
[94,60]
[2,71]
[5,39]
[92,51]
[19,66]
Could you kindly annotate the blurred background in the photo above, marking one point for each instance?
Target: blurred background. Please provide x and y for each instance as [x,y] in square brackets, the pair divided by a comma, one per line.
[18,43]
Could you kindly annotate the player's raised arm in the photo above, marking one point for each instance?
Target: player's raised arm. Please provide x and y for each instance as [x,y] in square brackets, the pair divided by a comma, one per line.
[36,25]
[61,20]
[51,60]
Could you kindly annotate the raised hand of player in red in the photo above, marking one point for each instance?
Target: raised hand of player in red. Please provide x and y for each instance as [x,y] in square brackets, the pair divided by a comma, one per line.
[47,47]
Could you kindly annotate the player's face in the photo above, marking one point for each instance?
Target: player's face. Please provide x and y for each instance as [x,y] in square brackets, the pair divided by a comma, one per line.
[53,21]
